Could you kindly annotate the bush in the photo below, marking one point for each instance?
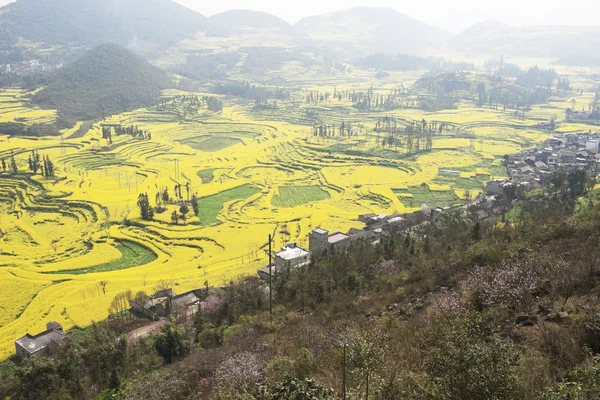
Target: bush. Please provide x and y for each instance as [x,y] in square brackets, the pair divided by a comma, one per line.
[171,342]
[581,384]
[467,361]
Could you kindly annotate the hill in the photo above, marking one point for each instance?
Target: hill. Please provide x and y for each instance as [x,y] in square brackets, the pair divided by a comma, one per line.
[141,25]
[405,62]
[107,80]
[578,60]
[529,87]
[493,37]
[373,30]
[243,19]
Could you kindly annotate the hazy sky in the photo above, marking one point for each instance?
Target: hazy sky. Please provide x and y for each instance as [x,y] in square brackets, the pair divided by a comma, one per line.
[454,15]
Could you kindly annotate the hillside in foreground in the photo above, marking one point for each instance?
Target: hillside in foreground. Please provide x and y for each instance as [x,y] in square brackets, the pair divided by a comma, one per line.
[107,80]
[463,309]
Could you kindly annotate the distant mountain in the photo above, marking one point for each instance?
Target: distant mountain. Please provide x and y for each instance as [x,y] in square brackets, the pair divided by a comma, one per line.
[107,80]
[142,25]
[578,60]
[243,19]
[495,38]
[373,30]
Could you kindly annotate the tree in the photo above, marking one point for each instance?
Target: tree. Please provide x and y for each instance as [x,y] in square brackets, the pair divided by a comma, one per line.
[3,165]
[140,299]
[481,95]
[184,210]
[38,378]
[171,342]
[146,211]
[120,303]
[35,162]
[48,167]
[476,232]
[195,204]
[365,352]
[13,163]
[103,285]
[306,389]
[175,218]
[468,361]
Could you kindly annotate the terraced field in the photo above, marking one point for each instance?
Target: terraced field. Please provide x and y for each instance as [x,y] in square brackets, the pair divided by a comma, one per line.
[294,196]
[68,245]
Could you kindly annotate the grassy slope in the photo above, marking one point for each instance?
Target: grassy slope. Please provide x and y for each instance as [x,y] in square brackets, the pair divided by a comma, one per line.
[133,255]
[209,207]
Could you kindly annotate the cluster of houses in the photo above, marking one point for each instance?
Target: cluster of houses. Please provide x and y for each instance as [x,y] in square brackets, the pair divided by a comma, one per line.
[322,241]
[160,305]
[27,67]
[532,168]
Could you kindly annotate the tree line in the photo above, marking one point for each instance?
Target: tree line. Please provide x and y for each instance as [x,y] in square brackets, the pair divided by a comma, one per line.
[132,130]
[163,198]
[35,163]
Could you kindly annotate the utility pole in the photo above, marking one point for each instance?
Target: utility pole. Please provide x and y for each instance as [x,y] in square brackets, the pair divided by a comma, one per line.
[270,282]
[344,374]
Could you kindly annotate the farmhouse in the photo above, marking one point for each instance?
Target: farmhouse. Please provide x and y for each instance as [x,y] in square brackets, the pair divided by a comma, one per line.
[290,256]
[566,156]
[321,241]
[40,345]
[165,302]
[495,186]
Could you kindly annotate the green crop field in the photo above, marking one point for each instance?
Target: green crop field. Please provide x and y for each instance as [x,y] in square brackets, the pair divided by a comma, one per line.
[207,175]
[209,207]
[132,255]
[294,196]
[211,144]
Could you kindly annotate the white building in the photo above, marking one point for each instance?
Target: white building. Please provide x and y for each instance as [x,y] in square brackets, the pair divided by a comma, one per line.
[290,256]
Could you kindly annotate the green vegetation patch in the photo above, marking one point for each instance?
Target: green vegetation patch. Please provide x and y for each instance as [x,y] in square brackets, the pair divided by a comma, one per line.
[422,195]
[207,175]
[210,206]
[294,196]
[132,255]
[211,144]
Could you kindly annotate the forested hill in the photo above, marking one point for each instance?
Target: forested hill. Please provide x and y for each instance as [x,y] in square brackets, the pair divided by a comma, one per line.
[107,80]
[493,37]
[373,30]
[240,19]
[142,25]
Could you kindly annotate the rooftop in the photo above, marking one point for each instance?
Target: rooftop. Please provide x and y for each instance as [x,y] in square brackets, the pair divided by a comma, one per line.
[185,299]
[320,231]
[395,220]
[292,253]
[40,341]
[336,238]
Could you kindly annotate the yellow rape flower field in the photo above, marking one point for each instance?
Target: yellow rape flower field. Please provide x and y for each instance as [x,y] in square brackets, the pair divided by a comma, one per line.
[70,244]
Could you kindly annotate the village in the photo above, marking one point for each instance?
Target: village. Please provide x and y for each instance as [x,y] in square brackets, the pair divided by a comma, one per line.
[526,170]
[532,168]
